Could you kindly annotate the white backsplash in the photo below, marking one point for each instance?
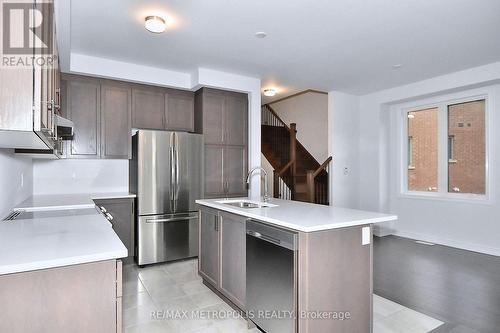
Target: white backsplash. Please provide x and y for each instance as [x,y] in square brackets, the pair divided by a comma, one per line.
[80,176]
[16,180]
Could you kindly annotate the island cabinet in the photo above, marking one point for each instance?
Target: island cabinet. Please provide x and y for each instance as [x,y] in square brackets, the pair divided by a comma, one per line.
[332,272]
[121,214]
[222,255]
[222,118]
[78,299]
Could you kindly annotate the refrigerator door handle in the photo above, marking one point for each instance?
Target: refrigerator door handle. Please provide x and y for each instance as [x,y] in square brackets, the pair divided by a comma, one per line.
[177,171]
[173,219]
[172,171]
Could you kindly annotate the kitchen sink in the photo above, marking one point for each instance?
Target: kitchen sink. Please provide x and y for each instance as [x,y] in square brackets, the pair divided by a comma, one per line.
[247,204]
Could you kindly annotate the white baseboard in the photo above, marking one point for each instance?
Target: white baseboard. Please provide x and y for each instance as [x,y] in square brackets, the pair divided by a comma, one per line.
[450,242]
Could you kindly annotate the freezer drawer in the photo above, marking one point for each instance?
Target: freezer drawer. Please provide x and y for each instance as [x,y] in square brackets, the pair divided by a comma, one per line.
[167,237]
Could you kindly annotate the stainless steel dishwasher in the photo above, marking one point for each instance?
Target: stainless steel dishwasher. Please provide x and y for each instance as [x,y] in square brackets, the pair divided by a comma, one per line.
[271,277]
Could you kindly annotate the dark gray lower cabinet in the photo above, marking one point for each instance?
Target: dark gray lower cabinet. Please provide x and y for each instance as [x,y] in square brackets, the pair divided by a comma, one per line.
[233,258]
[222,257]
[122,218]
[209,246]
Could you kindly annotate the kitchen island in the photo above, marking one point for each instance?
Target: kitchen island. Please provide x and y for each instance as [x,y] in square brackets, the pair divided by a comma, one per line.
[290,266]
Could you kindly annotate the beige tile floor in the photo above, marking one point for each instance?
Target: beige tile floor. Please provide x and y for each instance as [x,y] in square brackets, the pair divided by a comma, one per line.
[176,287]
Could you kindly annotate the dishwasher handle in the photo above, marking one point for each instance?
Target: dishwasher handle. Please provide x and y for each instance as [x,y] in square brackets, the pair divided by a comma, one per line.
[264,237]
[277,236]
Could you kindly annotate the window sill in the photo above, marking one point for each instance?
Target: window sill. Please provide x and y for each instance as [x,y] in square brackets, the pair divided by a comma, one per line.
[449,197]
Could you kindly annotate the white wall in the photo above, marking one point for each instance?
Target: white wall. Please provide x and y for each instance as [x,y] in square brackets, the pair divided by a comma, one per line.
[16,180]
[471,226]
[310,112]
[79,176]
[343,121]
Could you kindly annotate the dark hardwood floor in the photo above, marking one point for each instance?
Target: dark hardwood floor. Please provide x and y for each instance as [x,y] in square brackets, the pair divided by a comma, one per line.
[458,287]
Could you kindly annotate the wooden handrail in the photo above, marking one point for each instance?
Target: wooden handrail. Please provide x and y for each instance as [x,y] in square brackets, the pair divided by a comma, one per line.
[284,169]
[270,109]
[322,167]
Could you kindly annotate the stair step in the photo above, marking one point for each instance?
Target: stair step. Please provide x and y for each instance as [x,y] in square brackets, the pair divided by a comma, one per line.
[301,188]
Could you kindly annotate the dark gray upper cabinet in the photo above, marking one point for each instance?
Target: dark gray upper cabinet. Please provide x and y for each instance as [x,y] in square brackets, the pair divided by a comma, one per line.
[116,121]
[148,108]
[179,110]
[122,217]
[84,109]
[104,112]
[224,124]
[213,117]
[236,118]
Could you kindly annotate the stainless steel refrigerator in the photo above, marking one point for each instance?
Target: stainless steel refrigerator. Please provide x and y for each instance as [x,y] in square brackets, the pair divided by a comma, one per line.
[166,174]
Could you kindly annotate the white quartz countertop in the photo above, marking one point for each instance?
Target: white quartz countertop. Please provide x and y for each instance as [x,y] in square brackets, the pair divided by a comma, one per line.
[40,243]
[302,216]
[67,201]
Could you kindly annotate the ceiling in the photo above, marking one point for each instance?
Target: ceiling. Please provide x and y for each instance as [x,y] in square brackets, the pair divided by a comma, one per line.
[348,45]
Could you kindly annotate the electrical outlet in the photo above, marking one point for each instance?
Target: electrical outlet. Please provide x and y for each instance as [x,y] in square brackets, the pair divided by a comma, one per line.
[346,171]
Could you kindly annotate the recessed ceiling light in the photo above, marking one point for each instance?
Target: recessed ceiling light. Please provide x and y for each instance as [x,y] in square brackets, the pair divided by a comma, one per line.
[397,66]
[155,24]
[261,34]
[269,92]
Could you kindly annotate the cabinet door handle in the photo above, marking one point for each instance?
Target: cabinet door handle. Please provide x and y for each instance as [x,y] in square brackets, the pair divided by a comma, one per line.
[216,223]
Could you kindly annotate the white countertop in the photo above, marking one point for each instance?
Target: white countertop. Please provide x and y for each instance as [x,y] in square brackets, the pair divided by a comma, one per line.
[67,201]
[302,216]
[40,243]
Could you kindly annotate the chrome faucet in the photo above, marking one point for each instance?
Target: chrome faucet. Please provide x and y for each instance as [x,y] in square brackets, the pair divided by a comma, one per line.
[266,193]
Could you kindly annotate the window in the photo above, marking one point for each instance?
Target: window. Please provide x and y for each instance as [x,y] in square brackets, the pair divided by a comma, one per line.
[446,148]
[423,153]
[466,168]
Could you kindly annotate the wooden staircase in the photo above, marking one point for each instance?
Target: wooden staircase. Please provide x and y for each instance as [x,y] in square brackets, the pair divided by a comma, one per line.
[297,174]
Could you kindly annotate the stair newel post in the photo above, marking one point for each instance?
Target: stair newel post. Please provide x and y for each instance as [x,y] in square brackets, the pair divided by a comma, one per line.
[276,190]
[293,153]
[310,186]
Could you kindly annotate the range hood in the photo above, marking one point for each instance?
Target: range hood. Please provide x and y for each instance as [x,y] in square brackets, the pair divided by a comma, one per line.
[64,131]
[64,128]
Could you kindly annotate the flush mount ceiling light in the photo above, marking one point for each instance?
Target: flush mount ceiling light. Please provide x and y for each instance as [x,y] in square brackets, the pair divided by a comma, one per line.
[261,34]
[397,66]
[155,24]
[269,92]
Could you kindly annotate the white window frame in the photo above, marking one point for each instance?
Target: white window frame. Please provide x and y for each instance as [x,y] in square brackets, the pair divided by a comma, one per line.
[442,103]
